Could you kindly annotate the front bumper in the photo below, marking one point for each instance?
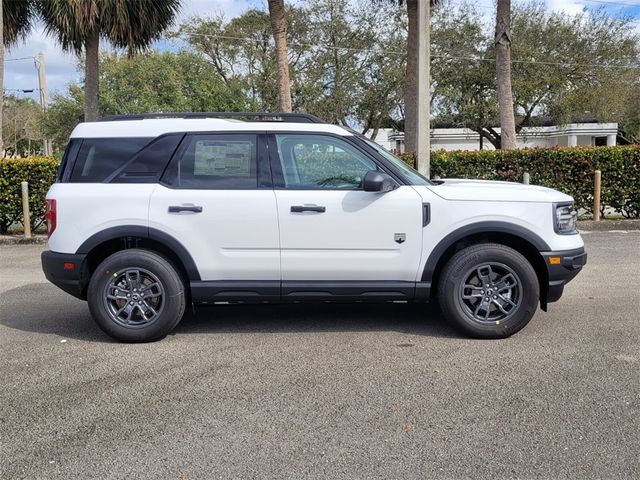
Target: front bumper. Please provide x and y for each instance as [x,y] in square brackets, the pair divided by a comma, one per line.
[562,267]
[66,271]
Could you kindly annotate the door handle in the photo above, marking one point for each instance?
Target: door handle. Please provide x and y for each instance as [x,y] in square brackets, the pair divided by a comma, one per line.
[185,208]
[308,208]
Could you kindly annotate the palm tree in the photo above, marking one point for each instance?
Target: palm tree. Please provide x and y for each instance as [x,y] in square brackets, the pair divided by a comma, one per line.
[278,17]
[78,26]
[411,74]
[15,23]
[503,69]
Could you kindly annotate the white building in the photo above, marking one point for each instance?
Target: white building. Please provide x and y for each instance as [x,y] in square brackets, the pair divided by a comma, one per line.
[570,135]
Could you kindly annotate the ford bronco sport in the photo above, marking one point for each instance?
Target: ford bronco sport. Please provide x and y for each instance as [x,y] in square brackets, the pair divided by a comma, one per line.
[151,213]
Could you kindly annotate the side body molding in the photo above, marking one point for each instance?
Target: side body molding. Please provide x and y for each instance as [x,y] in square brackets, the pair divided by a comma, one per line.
[144,232]
[476,228]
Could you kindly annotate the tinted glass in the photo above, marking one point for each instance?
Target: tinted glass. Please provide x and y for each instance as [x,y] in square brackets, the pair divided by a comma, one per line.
[98,158]
[69,157]
[321,162]
[148,164]
[223,161]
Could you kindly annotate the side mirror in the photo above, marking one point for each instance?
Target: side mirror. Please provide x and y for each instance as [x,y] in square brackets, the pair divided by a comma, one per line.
[375,181]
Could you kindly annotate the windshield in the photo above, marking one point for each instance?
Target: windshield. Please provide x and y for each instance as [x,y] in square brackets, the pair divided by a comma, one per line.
[412,175]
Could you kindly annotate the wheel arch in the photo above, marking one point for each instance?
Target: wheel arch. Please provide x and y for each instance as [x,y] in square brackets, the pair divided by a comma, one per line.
[519,238]
[102,244]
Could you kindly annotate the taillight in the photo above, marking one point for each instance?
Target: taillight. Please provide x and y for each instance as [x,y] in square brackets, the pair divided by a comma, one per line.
[50,216]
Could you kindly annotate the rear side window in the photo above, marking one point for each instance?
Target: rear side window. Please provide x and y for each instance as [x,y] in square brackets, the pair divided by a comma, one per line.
[98,158]
[216,161]
[147,165]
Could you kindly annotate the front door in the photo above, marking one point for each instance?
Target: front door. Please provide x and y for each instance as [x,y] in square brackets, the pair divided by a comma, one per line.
[333,232]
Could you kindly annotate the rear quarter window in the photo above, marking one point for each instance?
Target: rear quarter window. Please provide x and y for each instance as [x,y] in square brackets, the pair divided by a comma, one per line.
[98,158]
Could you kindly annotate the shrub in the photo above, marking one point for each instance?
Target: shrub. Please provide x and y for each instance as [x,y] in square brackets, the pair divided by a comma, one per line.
[40,172]
[569,170]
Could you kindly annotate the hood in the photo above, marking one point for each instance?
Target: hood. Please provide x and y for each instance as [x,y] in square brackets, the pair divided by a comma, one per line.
[494,191]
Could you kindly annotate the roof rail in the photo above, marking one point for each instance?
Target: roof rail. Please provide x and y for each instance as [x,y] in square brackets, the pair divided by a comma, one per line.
[255,116]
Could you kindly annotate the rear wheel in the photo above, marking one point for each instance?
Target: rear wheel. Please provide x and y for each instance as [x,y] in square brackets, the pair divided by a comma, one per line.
[488,291]
[136,296]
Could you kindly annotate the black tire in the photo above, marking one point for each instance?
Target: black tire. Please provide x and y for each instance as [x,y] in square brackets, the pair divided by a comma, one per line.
[121,310]
[497,311]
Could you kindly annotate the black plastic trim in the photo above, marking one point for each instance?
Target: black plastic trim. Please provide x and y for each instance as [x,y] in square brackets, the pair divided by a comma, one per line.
[426,214]
[71,281]
[144,232]
[204,292]
[347,290]
[475,228]
[571,262]
[255,116]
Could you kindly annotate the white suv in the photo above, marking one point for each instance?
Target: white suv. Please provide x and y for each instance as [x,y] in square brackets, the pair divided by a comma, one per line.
[151,213]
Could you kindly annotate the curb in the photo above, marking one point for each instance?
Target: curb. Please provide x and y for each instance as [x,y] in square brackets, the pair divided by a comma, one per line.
[20,240]
[607,225]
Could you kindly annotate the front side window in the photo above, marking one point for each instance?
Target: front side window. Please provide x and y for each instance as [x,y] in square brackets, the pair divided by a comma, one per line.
[310,161]
[223,161]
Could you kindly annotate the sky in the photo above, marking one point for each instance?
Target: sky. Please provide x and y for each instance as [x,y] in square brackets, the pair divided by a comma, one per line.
[61,67]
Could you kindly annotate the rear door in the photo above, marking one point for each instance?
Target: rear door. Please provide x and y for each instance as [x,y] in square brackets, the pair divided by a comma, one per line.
[332,233]
[216,198]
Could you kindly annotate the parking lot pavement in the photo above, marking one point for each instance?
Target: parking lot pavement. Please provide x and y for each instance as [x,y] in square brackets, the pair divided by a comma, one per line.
[324,391]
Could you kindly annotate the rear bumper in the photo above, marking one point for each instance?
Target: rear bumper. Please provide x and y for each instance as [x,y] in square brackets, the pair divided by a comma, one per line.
[65,271]
[562,271]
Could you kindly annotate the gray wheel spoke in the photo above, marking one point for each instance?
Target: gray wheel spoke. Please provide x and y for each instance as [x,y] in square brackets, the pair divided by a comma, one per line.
[506,282]
[507,300]
[501,307]
[477,292]
[490,292]
[144,288]
[484,274]
[142,293]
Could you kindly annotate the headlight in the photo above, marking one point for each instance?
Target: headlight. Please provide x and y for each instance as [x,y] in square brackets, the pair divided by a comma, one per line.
[565,218]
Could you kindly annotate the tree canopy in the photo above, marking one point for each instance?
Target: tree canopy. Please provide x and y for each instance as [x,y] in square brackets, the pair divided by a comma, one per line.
[347,65]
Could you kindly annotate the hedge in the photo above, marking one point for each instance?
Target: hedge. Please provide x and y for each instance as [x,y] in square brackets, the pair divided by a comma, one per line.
[40,172]
[569,170]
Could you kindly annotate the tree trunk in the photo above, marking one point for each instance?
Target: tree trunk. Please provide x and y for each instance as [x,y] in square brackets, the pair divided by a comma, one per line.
[503,69]
[91,77]
[1,77]
[411,79]
[278,17]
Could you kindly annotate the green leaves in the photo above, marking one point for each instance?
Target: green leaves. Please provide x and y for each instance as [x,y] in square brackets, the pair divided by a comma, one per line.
[569,170]
[40,172]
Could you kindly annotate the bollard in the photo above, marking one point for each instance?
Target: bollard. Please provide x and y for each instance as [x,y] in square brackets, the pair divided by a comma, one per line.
[525,178]
[596,195]
[26,217]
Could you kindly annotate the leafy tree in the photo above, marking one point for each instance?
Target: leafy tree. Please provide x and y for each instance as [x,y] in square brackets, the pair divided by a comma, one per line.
[79,25]
[562,66]
[21,126]
[16,18]
[149,82]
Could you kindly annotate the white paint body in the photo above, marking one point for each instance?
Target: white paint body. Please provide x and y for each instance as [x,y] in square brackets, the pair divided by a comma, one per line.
[253,235]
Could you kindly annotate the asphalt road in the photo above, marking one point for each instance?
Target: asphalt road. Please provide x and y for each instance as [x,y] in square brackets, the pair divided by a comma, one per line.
[367,392]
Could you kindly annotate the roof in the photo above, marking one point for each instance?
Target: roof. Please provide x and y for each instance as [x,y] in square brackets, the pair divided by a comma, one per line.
[152,127]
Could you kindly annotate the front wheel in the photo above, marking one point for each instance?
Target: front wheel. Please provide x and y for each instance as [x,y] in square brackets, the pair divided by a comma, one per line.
[488,291]
[136,296]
